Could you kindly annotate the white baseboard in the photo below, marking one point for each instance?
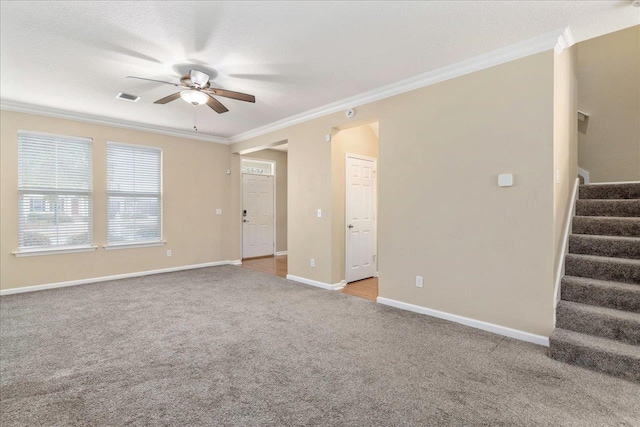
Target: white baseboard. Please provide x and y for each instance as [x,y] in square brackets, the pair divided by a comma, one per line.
[334,287]
[478,324]
[235,262]
[114,277]
[280,253]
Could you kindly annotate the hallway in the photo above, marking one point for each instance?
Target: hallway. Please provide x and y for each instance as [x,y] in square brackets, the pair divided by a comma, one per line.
[277,266]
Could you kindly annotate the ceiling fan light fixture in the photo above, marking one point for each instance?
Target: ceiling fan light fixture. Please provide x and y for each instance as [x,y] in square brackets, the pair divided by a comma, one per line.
[194,97]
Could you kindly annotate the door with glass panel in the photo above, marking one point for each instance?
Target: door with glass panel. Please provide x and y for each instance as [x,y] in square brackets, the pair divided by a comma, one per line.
[257,211]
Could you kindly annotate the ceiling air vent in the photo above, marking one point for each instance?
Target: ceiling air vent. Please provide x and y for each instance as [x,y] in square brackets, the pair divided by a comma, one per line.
[127,97]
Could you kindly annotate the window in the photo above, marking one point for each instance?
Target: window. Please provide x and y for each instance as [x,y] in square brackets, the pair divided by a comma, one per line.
[257,167]
[54,191]
[134,194]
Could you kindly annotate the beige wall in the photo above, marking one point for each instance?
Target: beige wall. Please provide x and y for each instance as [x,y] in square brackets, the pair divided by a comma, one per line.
[280,158]
[357,140]
[565,143]
[194,185]
[485,252]
[609,81]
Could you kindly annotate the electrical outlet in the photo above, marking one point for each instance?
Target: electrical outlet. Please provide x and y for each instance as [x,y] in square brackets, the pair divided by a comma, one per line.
[169,252]
[313,262]
[419,281]
[218,211]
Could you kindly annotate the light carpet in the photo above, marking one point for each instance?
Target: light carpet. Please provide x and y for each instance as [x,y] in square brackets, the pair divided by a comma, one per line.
[231,346]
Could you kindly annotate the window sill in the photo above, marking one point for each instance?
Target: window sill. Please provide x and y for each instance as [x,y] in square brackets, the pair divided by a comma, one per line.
[134,245]
[49,251]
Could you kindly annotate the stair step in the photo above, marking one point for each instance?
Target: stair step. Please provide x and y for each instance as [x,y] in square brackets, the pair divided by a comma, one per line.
[608,207]
[618,295]
[603,268]
[608,246]
[602,322]
[610,191]
[606,226]
[599,354]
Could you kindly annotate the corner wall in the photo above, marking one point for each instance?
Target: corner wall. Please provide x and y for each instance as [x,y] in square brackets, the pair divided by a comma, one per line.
[194,185]
[565,145]
[485,252]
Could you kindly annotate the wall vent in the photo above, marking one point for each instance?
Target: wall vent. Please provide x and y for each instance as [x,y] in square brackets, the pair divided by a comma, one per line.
[127,97]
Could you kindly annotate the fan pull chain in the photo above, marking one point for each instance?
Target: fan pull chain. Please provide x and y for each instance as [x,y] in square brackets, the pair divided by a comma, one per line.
[195,118]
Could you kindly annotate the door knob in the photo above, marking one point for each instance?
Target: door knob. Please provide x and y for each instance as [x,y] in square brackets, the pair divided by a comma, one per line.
[245,220]
[350,225]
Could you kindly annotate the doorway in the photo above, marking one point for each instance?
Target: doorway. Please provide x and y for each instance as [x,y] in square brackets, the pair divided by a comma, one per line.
[354,164]
[258,209]
[360,217]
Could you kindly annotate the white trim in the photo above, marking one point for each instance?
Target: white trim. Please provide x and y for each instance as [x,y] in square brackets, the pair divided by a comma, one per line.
[55,135]
[585,175]
[564,41]
[235,262]
[334,287]
[280,253]
[50,251]
[105,121]
[565,246]
[614,183]
[557,39]
[478,324]
[114,277]
[114,247]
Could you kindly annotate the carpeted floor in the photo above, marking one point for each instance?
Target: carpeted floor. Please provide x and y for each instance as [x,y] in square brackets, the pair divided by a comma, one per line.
[231,346]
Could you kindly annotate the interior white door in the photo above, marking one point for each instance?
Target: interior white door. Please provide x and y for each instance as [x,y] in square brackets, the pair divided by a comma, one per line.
[258,215]
[360,219]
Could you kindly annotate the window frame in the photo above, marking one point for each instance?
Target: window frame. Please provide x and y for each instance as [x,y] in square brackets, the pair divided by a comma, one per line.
[139,244]
[24,251]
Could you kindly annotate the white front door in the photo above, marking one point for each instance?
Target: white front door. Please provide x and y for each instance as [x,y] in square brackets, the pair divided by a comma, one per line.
[258,218]
[360,218]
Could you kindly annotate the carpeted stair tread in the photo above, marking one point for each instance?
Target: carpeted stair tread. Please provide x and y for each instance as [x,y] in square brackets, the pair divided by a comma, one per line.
[603,322]
[607,246]
[610,191]
[603,268]
[599,354]
[608,207]
[606,226]
[603,293]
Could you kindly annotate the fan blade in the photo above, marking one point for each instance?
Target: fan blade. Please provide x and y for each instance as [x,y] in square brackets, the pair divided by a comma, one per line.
[198,78]
[216,105]
[168,98]
[233,95]
[151,80]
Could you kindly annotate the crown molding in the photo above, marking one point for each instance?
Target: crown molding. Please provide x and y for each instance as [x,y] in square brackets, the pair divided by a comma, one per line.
[98,120]
[557,39]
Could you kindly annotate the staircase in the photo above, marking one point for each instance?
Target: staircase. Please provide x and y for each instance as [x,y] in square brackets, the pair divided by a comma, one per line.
[598,316]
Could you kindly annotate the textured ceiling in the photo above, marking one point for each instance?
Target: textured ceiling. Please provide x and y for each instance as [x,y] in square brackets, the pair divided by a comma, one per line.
[293,56]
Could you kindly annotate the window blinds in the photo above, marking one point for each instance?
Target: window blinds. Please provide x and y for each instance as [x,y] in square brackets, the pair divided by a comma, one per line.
[54,191]
[134,193]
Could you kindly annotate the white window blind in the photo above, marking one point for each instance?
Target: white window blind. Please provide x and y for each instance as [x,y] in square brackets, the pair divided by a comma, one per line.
[54,191]
[134,193]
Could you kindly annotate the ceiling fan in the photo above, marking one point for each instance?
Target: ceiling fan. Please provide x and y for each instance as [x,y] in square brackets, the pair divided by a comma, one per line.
[197,90]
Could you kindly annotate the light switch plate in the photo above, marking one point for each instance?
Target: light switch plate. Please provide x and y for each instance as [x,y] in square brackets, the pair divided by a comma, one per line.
[218,211]
[319,213]
[505,180]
